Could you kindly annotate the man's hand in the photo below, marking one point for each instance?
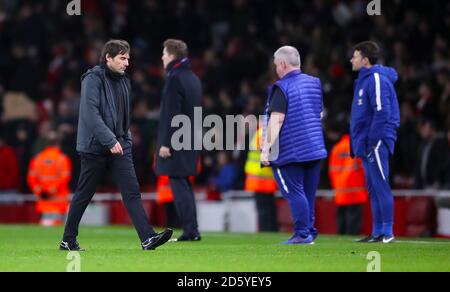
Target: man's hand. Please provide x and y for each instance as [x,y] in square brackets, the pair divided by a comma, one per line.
[265,157]
[164,152]
[117,149]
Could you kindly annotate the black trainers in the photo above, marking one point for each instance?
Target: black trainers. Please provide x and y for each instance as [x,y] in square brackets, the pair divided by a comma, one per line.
[371,239]
[365,240]
[161,238]
[72,246]
[187,238]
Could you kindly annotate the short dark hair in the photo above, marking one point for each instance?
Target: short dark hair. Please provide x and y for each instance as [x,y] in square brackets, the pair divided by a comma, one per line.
[177,48]
[369,50]
[114,48]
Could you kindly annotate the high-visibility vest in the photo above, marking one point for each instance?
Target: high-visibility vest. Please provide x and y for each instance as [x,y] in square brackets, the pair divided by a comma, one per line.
[51,169]
[258,180]
[163,190]
[347,175]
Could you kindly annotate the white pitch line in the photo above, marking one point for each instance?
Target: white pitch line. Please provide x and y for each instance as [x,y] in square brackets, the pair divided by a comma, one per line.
[422,242]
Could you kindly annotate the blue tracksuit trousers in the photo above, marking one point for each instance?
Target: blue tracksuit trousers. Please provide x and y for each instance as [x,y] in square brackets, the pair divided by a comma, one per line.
[376,168]
[298,183]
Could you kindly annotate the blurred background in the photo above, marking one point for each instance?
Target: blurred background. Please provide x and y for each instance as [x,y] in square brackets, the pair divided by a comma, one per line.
[44,51]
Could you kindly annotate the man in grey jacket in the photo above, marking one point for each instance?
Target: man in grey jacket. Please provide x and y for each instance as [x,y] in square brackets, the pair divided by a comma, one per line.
[104,140]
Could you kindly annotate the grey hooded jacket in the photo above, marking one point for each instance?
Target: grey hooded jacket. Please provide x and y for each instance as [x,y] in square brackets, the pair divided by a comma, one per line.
[98,117]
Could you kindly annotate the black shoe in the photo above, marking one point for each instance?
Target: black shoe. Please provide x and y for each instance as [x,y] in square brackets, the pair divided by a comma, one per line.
[161,238]
[72,246]
[365,240]
[371,239]
[188,238]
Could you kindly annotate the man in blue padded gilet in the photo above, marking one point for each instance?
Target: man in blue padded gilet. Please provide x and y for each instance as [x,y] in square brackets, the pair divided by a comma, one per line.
[293,140]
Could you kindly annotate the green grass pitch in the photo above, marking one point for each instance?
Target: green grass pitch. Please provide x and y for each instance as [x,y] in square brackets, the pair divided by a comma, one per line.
[33,248]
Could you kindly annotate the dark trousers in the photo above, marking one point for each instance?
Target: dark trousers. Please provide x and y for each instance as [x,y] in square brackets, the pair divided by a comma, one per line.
[349,219]
[172,220]
[185,205]
[122,167]
[267,212]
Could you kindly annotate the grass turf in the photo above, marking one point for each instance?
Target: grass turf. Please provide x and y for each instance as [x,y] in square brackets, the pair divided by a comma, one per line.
[32,248]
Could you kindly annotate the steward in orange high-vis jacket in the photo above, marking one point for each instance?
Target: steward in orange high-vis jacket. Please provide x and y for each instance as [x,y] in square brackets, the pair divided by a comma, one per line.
[348,181]
[48,177]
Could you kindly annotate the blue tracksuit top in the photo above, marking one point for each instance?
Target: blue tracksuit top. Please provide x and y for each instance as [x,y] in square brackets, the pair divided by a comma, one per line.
[375,113]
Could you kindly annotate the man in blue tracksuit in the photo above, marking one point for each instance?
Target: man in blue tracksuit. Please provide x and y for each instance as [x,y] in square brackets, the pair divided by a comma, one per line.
[375,120]
[293,140]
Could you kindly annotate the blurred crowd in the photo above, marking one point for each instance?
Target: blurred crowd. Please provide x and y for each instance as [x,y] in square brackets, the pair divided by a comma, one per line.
[44,51]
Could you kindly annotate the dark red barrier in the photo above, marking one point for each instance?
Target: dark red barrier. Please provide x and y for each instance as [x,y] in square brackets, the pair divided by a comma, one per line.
[23,213]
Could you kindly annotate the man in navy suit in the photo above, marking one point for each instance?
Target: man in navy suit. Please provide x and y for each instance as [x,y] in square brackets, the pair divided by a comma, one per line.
[181,95]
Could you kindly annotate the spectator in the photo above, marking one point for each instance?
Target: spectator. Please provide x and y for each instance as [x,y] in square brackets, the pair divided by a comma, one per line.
[427,106]
[225,178]
[432,156]
[404,160]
